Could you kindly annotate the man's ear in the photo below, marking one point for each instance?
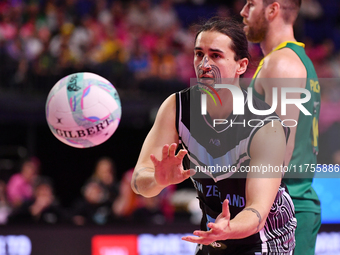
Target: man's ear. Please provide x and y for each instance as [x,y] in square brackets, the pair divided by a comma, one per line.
[243,63]
[272,11]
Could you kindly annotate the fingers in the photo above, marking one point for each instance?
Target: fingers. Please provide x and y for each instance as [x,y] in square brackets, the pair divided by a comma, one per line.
[172,149]
[181,154]
[165,151]
[192,172]
[154,160]
[203,237]
[169,151]
[202,233]
[188,173]
[195,239]
[225,209]
[217,230]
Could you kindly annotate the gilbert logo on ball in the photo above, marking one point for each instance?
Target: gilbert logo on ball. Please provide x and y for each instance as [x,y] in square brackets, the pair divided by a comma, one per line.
[83,110]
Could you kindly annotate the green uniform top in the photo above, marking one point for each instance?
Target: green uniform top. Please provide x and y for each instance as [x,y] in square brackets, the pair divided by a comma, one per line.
[306,138]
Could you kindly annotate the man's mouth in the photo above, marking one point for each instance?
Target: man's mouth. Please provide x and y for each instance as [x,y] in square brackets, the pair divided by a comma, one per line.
[246,25]
[206,76]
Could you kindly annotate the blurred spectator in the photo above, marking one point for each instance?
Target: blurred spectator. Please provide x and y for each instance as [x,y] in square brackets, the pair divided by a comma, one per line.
[15,49]
[8,29]
[60,41]
[140,13]
[109,49]
[163,61]
[104,15]
[163,16]
[125,32]
[42,208]
[99,192]
[51,13]
[311,9]
[139,62]
[155,210]
[184,66]
[93,207]
[20,185]
[126,203]
[42,66]
[80,40]
[105,175]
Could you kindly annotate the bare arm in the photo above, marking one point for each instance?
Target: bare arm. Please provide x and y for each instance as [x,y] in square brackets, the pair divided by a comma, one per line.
[260,191]
[157,165]
[267,149]
[283,68]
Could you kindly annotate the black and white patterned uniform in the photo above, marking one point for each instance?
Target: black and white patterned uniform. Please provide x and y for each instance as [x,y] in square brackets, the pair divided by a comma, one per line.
[222,146]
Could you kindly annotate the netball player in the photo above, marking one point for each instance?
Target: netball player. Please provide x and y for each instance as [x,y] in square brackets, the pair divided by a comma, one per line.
[242,212]
[286,64]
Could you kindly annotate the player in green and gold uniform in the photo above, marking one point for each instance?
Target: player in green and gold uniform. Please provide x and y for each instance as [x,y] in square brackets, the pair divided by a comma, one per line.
[286,65]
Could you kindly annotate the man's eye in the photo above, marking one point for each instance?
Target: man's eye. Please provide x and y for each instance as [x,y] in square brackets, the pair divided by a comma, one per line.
[199,54]
[216,55]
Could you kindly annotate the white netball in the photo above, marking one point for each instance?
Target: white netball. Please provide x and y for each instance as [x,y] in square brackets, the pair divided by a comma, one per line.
[83,110]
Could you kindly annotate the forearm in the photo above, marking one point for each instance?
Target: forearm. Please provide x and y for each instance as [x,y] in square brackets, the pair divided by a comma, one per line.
[143,182]
[246,223]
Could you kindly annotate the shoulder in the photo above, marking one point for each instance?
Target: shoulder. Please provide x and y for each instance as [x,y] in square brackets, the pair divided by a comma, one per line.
[283,63]
[169,104]
[167,113]
[271,135]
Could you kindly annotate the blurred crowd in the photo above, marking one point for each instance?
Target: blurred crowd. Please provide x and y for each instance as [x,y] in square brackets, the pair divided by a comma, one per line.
[29,197]
[124,41]
[136,44]
[140,46]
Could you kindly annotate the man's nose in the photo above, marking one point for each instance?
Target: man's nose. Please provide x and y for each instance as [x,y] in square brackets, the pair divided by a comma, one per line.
[206,64]
[243,12]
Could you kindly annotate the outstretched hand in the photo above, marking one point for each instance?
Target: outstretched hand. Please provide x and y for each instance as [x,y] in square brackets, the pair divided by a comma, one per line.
[169,170]
[220,230]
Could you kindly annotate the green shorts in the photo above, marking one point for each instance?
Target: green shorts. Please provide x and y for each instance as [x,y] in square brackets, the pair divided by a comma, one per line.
[308,224]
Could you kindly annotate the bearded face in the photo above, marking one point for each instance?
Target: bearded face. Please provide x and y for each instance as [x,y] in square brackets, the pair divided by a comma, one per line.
[256,27]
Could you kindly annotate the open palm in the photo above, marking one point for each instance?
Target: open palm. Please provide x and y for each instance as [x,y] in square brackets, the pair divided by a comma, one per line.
[169,170]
